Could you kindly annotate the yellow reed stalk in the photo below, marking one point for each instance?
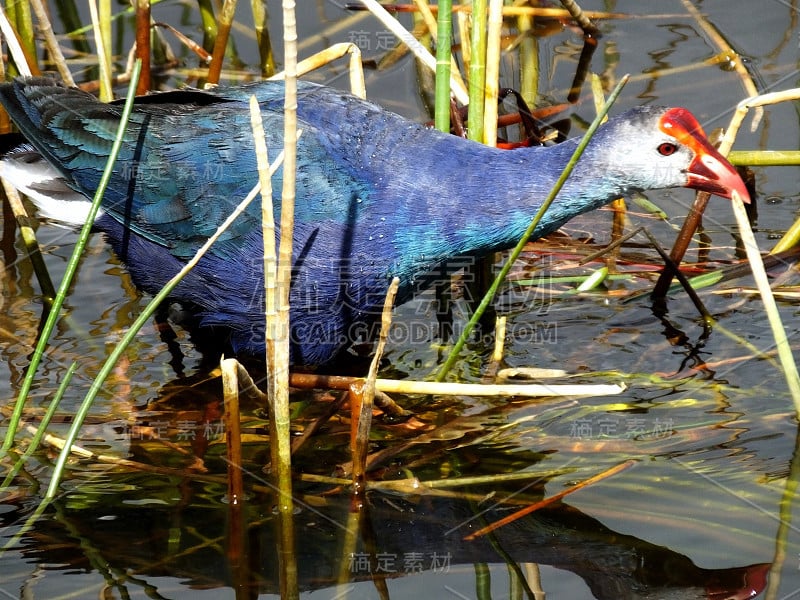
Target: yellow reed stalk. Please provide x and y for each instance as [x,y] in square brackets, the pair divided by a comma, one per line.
[492,84]
[101,27]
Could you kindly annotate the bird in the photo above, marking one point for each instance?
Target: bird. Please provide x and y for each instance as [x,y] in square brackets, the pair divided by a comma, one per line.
[378,196]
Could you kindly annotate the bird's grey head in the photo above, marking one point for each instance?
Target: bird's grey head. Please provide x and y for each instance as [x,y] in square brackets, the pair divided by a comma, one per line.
[656,147]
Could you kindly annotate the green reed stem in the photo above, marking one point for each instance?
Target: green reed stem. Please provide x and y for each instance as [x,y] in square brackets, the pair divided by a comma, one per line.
[260,23]
[483,580]
[764,158]
[209,24]
[789,240]
[444,32]
[72,267]
[489,296]
[477,70]
[528,60]
[23,21]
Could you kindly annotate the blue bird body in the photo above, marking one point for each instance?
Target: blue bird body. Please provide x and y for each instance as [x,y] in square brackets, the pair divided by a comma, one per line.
[378,196]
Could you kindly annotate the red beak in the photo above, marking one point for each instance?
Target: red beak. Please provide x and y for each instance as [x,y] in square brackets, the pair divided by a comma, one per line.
[709,171]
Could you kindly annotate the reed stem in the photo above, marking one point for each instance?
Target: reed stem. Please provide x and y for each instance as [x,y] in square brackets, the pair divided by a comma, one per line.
[72,267]
[444,32]
[477,71]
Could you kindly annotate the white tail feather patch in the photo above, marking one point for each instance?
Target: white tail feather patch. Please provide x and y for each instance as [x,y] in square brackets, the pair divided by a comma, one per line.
[36,178]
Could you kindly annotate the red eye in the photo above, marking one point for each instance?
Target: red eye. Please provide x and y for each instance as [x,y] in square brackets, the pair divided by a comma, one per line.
[667,149]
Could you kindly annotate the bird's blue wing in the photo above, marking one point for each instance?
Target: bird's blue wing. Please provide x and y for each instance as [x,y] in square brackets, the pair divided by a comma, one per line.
[186,160]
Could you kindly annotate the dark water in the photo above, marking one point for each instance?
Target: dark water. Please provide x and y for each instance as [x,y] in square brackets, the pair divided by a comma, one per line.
[703,512]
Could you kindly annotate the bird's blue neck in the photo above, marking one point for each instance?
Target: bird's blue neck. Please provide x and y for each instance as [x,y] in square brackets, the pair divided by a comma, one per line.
[478,200]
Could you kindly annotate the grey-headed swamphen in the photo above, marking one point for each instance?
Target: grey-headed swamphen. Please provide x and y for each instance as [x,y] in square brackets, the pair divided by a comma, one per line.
[377,195]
